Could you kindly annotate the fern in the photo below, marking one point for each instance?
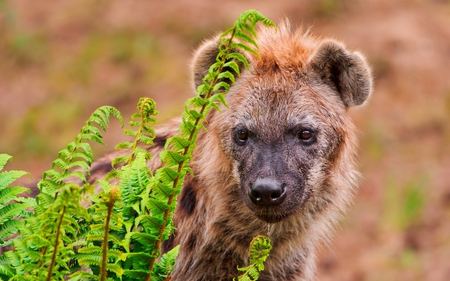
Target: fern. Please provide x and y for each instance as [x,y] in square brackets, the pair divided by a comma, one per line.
[107,220]
[259,251]
[44,248]
[116,242]
[57,220]
[119,236]
[61,227]
[10,204]
[142,119]
[13,208]
[164,267]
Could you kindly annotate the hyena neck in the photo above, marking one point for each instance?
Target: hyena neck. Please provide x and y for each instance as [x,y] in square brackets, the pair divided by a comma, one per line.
[215,232]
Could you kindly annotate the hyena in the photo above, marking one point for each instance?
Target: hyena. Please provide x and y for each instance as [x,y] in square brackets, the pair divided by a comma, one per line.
[278,161]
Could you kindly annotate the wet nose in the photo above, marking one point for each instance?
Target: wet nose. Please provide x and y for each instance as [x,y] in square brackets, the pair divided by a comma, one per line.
[267,191]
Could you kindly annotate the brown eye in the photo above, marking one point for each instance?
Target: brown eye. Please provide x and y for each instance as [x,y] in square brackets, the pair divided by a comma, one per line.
[241,136]
[306,135]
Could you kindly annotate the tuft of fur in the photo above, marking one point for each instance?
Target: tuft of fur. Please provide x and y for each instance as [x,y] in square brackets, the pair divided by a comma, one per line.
[299,82]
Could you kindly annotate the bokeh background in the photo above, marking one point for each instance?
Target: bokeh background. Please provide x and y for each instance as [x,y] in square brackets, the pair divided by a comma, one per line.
[59,60]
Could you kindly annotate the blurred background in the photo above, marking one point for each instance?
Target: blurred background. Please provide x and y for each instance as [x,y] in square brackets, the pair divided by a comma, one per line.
[60,60]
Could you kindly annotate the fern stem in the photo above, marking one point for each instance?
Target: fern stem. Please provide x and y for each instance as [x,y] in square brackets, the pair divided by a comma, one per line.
[60,183]
[183,162]
[104,261]
[139,132]
[55,249]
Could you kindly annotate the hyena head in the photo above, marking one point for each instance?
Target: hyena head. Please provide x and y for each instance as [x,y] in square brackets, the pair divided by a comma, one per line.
[286,133]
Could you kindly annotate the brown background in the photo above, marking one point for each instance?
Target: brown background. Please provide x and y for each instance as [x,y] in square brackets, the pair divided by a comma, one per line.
[59,60]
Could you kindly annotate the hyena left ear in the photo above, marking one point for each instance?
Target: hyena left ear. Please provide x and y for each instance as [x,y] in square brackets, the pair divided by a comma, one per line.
[204,57]
[346,71]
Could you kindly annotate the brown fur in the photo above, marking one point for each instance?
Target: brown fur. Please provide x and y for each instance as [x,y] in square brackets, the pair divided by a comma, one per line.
[299,82]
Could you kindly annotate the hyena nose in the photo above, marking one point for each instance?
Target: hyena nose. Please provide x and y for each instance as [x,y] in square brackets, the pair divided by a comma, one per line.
[267,191]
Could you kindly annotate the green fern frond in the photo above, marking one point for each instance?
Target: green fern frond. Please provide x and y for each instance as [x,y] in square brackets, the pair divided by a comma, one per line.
[134,179]
[13,207]
[9,177]
[164,267]
[259,251]
[253,17]
[58,204]
[78,154]
[227,75]
[233,65]
[124,145]
[9,211]
[61,228]
[107,219]
[4,158]
[135,274]
[6,269]
[102,115]
[143,238]
[9,194]
[7,229]
[144,134]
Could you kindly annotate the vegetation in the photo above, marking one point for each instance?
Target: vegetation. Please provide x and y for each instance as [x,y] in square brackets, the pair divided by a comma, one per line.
[118,236]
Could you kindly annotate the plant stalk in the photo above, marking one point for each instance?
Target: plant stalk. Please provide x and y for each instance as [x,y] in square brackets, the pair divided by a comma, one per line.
[55,249]
[104,261]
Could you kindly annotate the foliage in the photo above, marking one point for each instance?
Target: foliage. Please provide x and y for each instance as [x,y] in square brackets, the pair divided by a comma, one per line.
[12,207]
[259,251]
[129,214]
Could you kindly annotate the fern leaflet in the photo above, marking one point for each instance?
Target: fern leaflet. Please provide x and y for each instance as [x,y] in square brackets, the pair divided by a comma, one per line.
[259,251]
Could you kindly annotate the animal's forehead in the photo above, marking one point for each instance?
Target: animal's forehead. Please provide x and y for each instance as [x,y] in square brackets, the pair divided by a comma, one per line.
[275,108]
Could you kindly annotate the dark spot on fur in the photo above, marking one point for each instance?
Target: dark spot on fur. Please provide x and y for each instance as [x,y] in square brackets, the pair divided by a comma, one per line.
[160,140]
[168,244]
[275,67]
[192,241]
[188,197]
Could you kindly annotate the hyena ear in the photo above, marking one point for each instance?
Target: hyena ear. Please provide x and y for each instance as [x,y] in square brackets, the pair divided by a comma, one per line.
[204,57]
[346,71]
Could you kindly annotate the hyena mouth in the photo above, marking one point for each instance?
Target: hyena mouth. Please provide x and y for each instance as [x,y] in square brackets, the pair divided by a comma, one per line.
[271,216]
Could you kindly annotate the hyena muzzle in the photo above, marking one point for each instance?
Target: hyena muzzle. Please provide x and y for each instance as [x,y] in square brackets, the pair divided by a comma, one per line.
[279,161]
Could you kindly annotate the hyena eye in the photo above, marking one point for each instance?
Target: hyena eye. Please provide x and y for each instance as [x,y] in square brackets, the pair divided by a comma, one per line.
[306,135]
[241,136]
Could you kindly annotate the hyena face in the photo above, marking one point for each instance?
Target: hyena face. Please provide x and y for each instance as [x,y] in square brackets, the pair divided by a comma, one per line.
[281,145]
[287,127]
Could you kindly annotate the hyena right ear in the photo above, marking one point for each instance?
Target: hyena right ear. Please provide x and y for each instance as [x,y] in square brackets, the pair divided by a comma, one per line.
[204,57]
[345,71]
